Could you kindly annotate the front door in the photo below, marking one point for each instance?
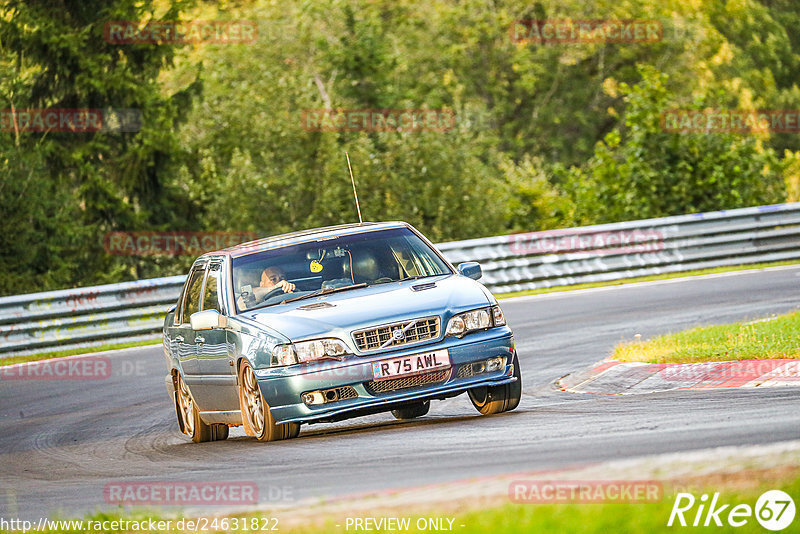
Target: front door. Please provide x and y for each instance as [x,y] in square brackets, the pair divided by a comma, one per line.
[182,336]
[216,367]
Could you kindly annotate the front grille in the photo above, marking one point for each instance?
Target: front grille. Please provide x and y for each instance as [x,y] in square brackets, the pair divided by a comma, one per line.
[406,382]
[423,329]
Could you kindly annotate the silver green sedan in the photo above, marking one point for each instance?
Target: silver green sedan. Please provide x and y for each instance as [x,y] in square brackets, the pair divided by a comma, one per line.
[332,323]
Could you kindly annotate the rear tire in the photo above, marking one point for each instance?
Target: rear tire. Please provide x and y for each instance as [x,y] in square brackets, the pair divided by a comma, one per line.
[193,425]
[497,399]
[412,411]
[256,416]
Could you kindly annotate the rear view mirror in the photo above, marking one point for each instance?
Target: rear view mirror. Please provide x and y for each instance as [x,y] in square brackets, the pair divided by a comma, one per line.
[470,269]
[208,319]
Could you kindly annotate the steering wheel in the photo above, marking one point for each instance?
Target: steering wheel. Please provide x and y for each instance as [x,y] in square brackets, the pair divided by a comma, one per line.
[272,292]
[383,280]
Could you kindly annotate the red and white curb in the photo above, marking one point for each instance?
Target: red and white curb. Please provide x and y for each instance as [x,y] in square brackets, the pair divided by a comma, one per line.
[613,377]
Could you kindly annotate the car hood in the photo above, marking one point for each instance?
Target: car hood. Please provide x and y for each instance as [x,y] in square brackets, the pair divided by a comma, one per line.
[338,314]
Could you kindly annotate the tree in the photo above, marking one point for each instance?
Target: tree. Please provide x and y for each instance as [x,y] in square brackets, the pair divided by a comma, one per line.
[62,191]
[641,171]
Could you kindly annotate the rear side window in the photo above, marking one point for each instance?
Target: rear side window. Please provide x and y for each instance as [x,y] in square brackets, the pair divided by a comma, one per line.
[211,293]
[191,300]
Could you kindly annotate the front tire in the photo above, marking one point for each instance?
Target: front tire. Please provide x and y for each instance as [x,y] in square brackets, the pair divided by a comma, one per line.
[497,399]
[257,419]
[412,411]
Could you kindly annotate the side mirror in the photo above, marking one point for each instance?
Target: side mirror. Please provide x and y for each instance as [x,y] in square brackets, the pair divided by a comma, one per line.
[470,269]
[208,319]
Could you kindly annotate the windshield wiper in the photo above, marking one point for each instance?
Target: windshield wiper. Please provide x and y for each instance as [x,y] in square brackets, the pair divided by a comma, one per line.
[325,291]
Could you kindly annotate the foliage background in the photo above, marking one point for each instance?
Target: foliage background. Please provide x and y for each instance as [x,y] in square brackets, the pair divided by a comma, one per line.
[548,136]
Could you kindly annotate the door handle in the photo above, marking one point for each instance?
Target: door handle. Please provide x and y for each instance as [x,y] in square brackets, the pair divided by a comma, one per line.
[178,339]
[199,340]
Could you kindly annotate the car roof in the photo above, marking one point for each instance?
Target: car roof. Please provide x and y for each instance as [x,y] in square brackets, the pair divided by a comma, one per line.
[301,236]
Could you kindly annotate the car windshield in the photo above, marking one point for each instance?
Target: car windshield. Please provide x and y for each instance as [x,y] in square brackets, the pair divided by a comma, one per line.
[332,264]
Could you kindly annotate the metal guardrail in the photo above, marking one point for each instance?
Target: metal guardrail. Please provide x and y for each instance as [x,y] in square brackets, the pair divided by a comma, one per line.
[74,318]
[134,311]
[633,248]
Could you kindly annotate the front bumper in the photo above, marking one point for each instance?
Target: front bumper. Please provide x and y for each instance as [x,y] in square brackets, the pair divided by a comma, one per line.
[283,387]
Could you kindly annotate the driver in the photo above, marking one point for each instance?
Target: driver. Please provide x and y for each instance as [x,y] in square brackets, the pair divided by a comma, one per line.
[272,279]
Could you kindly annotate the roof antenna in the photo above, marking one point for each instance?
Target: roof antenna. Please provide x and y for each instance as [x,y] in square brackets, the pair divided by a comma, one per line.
[355,194]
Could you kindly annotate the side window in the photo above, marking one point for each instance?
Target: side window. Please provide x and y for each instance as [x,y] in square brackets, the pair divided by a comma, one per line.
[191,301]
[211,295]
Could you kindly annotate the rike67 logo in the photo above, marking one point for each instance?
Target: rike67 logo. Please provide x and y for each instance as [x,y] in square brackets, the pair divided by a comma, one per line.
[774,510]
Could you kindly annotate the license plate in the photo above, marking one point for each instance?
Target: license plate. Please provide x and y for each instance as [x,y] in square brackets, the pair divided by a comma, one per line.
[411,365]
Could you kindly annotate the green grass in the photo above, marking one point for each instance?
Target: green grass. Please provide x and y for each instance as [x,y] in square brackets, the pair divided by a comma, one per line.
[650,278]
[774,337]
[604,518]
[567,518]
[72,352]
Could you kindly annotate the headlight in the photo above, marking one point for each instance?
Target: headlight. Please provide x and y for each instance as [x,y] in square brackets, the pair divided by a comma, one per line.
[307,351]
[475,320]
[465,322]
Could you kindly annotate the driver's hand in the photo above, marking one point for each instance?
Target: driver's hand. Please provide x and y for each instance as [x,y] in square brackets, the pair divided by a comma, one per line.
[287,287]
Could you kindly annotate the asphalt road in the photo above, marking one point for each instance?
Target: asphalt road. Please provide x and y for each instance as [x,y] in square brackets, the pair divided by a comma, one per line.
[62,442]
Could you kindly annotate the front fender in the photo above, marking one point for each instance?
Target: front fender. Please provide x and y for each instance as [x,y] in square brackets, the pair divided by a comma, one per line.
[254,342]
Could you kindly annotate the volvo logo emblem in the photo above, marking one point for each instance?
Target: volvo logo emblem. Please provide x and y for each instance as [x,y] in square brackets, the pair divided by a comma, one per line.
[398,334]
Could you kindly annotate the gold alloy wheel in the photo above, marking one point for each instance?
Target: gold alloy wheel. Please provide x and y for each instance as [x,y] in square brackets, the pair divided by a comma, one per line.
[252,403]
[187,406]
[257,419]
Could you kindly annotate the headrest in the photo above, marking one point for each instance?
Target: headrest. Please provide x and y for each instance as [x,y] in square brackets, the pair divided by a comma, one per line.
[365,265]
